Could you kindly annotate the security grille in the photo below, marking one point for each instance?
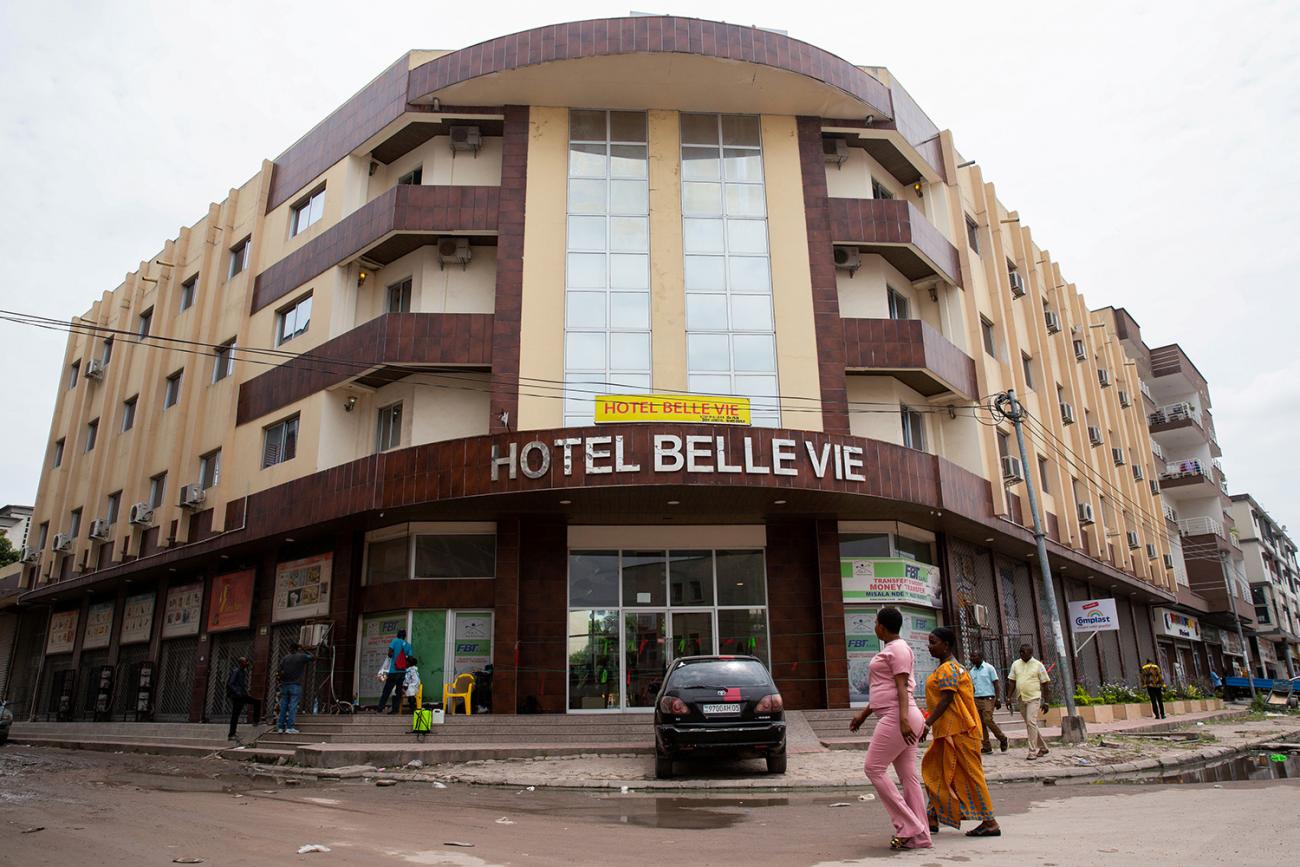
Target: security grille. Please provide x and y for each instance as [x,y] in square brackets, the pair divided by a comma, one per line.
[8,632]
[88,682]
[176,681]
[124,685]
[25,667]
[1017,600]
[58,676]
[282,637]
[225,650]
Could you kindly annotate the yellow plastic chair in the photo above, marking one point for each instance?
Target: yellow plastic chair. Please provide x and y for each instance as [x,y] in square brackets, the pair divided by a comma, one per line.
[463,688]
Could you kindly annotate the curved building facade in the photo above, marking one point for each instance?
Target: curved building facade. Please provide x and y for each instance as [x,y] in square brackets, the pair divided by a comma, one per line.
[571,352]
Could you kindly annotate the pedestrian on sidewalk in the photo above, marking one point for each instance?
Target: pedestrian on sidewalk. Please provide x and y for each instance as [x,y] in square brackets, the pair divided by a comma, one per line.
[399,659]
[1028,683]
[951,770]
[411,687]
[292,669]
[1154,681]
[889,691]
[988,698]
[237,692]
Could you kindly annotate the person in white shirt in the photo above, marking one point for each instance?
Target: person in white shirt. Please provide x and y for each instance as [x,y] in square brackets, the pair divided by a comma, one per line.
[1028,685]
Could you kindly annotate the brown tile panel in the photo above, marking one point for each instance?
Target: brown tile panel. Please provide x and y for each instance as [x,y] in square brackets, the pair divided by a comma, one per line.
[543,604]
[835,667]
[393,338]
[909,344]
[794,613]
[898,231]
[821,264]
[402,209]
[648,35]
[510,268]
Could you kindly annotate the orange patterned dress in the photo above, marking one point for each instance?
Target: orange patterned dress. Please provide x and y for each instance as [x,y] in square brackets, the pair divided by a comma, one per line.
[951,771]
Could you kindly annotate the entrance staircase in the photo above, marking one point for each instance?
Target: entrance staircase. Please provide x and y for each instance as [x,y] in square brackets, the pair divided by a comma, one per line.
[164,739]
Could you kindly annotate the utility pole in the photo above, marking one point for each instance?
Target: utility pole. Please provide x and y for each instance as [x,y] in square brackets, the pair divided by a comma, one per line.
[1241,636]
[1072,728]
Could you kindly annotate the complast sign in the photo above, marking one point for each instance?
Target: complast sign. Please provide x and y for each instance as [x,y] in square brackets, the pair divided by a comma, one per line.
[1094,615]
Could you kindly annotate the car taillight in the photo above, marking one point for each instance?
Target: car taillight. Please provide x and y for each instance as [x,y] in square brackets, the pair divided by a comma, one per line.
[770,704]
[674,706]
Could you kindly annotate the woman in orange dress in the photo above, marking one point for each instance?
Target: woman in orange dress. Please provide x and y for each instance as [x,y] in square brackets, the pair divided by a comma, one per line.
[951,770]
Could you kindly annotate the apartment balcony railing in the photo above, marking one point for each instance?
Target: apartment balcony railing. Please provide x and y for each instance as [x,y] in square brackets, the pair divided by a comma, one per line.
[1183,469]
[1171,514]
[1145,389]
[1175,412]
[1201,527]
[1157,450]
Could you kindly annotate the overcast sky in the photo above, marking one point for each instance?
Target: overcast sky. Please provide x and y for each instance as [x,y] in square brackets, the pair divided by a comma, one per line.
[1151,148]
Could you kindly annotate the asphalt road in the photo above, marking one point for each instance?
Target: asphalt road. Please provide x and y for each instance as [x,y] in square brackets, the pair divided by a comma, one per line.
[95,808]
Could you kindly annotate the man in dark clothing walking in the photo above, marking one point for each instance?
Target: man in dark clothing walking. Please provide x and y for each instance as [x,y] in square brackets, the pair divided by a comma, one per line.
[1154,681]
[292,669]
[237,692]
[399,656]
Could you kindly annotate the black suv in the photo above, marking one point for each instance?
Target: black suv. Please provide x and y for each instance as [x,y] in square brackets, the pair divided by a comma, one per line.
[718,705]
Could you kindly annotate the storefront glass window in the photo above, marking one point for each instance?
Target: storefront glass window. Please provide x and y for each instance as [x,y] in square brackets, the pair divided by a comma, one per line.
[865,545]
[644,578]
[743,630]
[455,556]
[913,550]
[740,578]
[593,578]
[645,656]
[690,578]
[386,561]
[593,660]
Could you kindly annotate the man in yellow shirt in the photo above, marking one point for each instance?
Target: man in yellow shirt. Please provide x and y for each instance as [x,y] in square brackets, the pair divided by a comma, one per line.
[1154,681]
[1028,685]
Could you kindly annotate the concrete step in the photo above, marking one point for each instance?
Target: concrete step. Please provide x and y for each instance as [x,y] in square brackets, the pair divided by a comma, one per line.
[341,755]
[123,729]
[257,754]
[124,746]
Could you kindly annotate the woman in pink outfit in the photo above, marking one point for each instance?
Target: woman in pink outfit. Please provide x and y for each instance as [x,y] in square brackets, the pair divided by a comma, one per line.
[889,691]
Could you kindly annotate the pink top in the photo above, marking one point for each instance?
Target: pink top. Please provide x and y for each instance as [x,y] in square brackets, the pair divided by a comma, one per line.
[893,659]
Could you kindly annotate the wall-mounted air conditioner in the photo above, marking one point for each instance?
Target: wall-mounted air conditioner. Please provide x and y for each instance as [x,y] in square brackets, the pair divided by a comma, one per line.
[1118,456]
[454,251]
[1151,551]
[1053,321]
[1169,561]
[1080,351]
[99,529]
[1017,284]
[95,369]
[1138,474]
[192,496]
[1124,399]
[1085,513]
[1094,434]
[466,138]
[1067,414]
[1132,538]
[980,613]
[1012,471]
[847,258]
[29,555]
[836,151]
[141,515]
[62,541]
[1103,376]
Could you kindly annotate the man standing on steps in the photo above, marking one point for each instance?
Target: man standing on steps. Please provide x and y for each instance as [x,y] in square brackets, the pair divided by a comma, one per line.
[292,669]
[237,692]
[984,677]
[1028,684]
[399,657]
[1154,681]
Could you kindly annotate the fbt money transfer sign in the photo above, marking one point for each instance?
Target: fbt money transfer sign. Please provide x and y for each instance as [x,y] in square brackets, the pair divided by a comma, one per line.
[680,409]
[1094,615]
[886,580]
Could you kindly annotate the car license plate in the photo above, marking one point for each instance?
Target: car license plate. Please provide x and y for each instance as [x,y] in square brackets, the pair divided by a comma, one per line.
[721,708]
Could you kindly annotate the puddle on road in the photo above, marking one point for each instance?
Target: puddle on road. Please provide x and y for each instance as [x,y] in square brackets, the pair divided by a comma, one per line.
[1251,767]
[689,814]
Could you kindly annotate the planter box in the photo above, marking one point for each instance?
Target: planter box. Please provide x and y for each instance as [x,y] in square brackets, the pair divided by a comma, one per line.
[1097,713]
[1054,716]
[1131,711]
[1176,707]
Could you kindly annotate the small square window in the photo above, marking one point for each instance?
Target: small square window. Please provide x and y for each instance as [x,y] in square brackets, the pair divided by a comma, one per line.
[58,452]
[293,320]
[307,212]
[210,469]
[388,431]
[223,360]
[172,389]
[128,412]
[973,234]
[157,488]
[187,292]
[986,332]
[399,297]
[913,428]
[74,372]
[879,190]
[413,178]
[239,256]
[899,306]
[144,323]
[280,442]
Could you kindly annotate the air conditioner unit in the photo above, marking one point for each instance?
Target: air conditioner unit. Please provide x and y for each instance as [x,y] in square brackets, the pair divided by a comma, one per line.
[1094,435]
[1085,513]
[1169,561]
[1017,284]
[454,251]
[1080,351]
[313,634]
[141,515]
[1053,321]
[1132,537]
[1154,484]
[99,529]
[191,496]
[1103,376]
[62,541]
[847,259]
[1012,471]
[980,613]
[1067,414]
[1138,474]
[466,138]
[29,555]
[1151,551]
[836,151]
[1118,455]
[1124,400]
[95,369]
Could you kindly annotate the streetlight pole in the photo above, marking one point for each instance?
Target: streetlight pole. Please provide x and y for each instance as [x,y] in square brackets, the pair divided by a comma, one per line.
[1072,729]
[1241,636]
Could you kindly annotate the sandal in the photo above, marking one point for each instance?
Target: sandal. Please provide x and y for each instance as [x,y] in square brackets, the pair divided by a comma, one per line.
[981,831]
[898,843]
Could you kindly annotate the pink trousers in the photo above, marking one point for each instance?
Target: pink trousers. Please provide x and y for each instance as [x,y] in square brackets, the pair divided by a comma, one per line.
[887,747]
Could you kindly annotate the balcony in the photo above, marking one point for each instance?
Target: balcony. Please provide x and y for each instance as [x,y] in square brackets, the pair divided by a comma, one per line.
[1174,414]
[1203,534]
[899,233]
[383,230]
[911,351]
[1188,479]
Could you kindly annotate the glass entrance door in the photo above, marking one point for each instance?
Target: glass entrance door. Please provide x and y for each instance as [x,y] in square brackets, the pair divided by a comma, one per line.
[692,633]
[645,657]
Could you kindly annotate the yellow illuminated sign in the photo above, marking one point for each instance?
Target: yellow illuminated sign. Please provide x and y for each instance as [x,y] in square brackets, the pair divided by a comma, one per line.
[683,409]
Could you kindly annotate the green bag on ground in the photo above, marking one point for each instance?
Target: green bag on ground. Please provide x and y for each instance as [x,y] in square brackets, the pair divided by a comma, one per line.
[422,721]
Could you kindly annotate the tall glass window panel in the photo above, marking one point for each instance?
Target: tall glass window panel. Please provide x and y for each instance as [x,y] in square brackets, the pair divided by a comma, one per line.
[594,664]
[645,579]
[731,335]
[690,578]
[607,279]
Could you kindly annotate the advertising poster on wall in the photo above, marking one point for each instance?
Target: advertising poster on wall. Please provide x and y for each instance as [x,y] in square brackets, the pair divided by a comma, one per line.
[1231,642]
[63,632]
[137,618]
[99,626]
[181,615]
[377,630]
[473,637]
[862,645]
[1177,625]
[302,588]
[890,580]
[230,605]
[1094,615]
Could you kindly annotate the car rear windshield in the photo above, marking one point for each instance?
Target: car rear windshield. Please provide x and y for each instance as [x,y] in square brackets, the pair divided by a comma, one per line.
[722,673]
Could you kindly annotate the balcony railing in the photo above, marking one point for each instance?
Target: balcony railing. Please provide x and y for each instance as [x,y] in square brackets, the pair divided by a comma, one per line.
[1200,527]
[1157,450]
[1146,389]
[1171,514]
[1182,469]
[1174,412]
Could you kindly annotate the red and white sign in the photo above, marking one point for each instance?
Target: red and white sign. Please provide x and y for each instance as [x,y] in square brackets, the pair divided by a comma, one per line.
[1094,615]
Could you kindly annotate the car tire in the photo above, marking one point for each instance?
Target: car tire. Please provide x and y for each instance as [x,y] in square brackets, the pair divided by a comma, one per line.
[663,767]
[776,763]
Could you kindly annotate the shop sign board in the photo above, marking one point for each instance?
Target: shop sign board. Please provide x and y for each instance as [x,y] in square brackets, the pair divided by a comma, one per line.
[882,580]
[181,616]
[377,630]
[1094,615]
[675,408]
[1177,625]
[230,605]
[1231,642]
[862,645]
[99,626]
[63,632]
[137,618]
[302,588]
